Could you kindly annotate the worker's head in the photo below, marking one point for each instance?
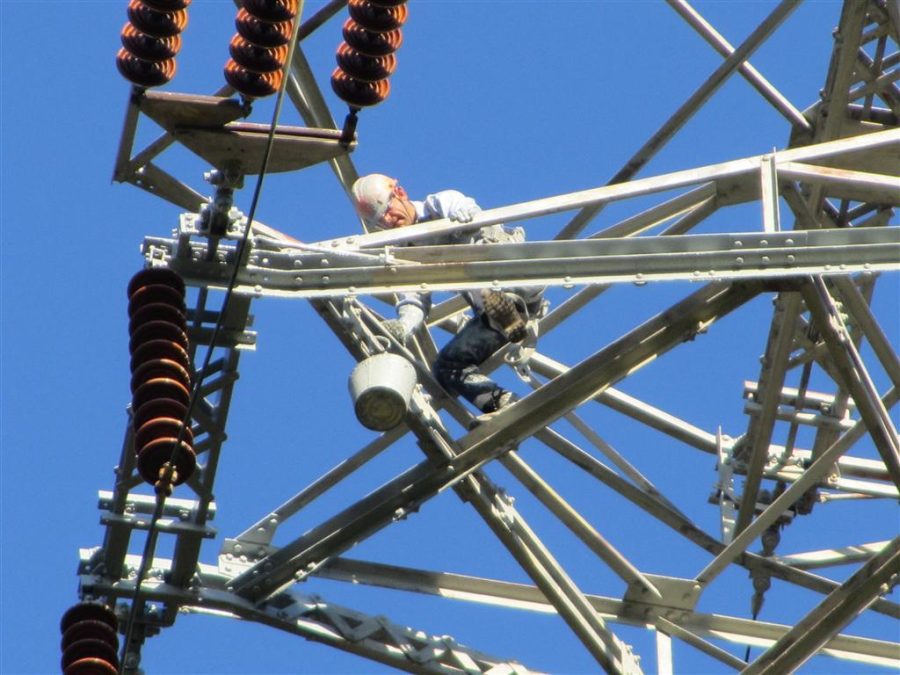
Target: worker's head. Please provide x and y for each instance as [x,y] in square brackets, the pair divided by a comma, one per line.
[382,203]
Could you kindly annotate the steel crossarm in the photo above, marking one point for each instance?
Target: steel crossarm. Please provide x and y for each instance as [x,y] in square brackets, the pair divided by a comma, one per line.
[375,638]
[526,597]
[775,255]
[736,181]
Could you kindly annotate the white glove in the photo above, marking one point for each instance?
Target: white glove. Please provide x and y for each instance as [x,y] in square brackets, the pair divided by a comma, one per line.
[465,213]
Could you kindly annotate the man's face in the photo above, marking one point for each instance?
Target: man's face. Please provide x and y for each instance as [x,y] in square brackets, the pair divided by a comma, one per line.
[400,211]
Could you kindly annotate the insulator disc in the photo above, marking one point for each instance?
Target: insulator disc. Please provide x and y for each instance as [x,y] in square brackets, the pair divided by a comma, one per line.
[375,18]
[262,33]
[357,92]
[250,84]
[158,24]
[369,42]
[91,666]
[157,368]
[91,629]
[160,349]
[83,649]
[157,311]
[156,275]
[364,67]
[162,427]
[172,5]
[147,295]
[148,47]
[157,330]
[156,454]
[161,387]
[256,58]
[388,3]
[272,10]
[88,611]
[159,407]
[144,73]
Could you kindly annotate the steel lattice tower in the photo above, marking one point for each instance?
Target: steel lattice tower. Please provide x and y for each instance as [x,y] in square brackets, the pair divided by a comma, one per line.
[826,241]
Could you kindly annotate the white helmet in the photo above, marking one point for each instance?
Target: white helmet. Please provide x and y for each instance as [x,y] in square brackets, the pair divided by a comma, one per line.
[372,195]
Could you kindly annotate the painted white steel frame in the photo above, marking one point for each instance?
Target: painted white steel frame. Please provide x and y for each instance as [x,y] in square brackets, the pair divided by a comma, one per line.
[839,182]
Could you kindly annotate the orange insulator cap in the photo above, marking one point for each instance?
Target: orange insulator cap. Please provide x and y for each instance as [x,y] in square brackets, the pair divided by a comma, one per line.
[359,93]
[256,58]
[148,47]
[144,73]
[156,23]
[272,10]
[365,67]
[377,18]
[262,33]
[251,84]
[371,42]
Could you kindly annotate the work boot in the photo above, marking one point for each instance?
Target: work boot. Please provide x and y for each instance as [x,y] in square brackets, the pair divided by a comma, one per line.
[503,314]
[501,400]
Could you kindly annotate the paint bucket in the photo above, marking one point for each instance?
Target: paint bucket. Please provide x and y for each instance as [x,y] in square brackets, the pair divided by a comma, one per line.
[381,387]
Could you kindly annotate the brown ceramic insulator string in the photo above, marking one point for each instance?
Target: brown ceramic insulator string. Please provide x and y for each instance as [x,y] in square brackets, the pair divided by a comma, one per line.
[163,485]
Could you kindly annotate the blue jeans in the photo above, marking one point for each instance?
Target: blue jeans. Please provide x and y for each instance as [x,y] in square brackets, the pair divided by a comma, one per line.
[456,365]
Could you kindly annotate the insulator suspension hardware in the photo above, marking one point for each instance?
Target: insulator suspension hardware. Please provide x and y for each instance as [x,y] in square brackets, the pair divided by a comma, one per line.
[160,377]
[259,49]
[150,41]
[365,59]
[89,640]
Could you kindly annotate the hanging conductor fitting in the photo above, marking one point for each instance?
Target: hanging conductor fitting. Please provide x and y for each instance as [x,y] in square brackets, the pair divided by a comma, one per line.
[259,49]
[160,376]
[90,643]
[150,41]
[366,56]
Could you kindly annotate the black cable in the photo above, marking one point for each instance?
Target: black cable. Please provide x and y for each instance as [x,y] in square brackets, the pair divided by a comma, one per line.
[163,486]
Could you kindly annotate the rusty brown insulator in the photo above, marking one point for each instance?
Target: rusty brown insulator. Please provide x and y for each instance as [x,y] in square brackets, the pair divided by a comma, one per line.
[160,387]
[159,368]
[370,42]
[162,427]
[90,629]
[376,17]
[91,666]
[157,454]
[251,84]
[262,33]
[151,276]
[356,92]
[88,611]
[272,10]
[365,67]
[144,73]
[159,407]
[256,58]
[154,293]
[156,23]
[157,311]
[147,47]
[157,330]
[172,5]
[89,649]
[160,349]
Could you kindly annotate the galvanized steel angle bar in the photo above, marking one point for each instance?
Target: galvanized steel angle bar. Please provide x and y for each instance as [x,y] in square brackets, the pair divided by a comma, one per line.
[854,375]
[686,110]
[754,448]
[826,620]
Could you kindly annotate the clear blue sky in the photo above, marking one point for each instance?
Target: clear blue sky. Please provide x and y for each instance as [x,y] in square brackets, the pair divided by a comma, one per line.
[506,101]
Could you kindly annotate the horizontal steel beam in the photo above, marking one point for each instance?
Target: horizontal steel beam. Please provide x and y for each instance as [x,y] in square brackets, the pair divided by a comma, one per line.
[750,255]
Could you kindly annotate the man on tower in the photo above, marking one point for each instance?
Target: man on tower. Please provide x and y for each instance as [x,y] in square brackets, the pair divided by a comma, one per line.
[500,317]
